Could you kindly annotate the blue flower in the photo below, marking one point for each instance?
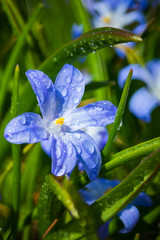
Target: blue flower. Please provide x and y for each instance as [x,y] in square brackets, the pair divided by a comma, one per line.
[62,122]
[129,215]
[77,30]
[114,13]
[147,98]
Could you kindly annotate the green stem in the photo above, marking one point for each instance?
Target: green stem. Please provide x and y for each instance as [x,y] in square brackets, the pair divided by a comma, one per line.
[16,158]
[119,115]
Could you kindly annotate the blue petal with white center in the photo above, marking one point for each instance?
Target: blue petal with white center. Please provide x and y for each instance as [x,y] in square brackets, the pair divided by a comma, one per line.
[98,114]
[25,128]
[58,134]
[142,104]
[45,92]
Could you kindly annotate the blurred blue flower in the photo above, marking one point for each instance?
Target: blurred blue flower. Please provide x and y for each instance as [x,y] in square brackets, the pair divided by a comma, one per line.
[62,121]
[77,30]
[147,98]
[114,13]
[129,215]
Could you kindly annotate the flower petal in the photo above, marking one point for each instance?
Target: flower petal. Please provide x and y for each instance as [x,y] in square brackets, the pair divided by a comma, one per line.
[44,89]
[96,189]
[25,128]
[99,134]
[143,199]
[142,103]
[87,153]
[138,73]
[129,216]
[70,84]
[99,114]
[63,156]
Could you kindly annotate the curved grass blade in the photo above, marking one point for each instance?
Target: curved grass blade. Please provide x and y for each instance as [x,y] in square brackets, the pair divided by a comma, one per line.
[85,44]
[119,197]
[119,114]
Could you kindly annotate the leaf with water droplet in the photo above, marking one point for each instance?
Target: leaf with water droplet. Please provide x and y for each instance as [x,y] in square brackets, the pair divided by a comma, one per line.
[87,43]
[119,197]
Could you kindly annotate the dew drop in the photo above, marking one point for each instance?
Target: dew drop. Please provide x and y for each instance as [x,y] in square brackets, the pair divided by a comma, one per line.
[78,88]
[58,152]
[68,79]
[79,150]
[98,108]
[54,60]
[77,135]
[88,147]
[22,119]
[75,100]
[64,91]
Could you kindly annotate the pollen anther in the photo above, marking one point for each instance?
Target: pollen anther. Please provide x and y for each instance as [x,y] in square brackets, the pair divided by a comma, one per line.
[106,19]
[59,121]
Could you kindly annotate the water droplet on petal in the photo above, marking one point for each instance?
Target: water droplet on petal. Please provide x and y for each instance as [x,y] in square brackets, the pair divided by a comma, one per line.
[64,91]
[75,100]
[77,135]
[22,119]
[99,108]
[78,88]
[68,79]
[58,152]
[88,147]
[79,150]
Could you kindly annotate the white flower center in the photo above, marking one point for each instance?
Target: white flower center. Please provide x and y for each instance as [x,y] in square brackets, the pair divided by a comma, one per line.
[54,127]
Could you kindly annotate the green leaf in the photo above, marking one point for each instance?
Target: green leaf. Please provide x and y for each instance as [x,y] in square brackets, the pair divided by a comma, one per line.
[85,44]
[123,157]
[49,207]
[67,194]
[14,55]
[119,197]
[119,115]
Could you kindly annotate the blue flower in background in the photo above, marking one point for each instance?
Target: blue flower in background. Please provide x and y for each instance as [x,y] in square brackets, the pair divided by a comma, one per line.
[146,98]
[62,121]
[77,30]
[129,215]
[114,13]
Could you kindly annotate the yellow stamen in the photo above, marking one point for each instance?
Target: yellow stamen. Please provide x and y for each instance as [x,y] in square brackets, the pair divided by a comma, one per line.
[106,19]
[59,121]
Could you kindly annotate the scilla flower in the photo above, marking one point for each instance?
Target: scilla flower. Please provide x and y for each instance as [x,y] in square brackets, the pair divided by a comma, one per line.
[114,13]
[146,98]
[62,122]
[129,215]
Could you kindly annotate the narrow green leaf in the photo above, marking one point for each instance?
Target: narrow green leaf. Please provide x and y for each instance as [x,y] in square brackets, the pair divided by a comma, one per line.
[119,115]
[16,156]
[130,154]
[123,157]
[62,195]
[84,224]
[85,44]
[15,54]
[119,197]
